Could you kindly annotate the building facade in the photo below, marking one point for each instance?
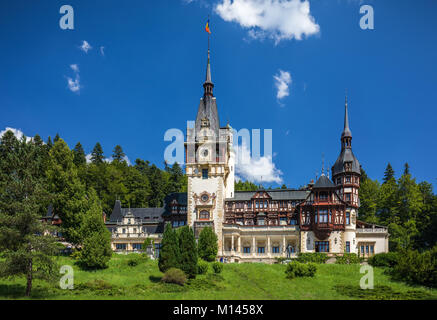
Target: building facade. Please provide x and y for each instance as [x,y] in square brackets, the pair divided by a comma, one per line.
[261,225]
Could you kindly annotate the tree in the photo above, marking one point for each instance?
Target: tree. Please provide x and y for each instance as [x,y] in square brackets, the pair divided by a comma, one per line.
[96,251]
[188,249]
[389,173]
[79,158]
[406,168]
[118,154]
[26,248]
[97,156]
[369,193]
[170,251]
[208,247]
[57,137]
[68,194]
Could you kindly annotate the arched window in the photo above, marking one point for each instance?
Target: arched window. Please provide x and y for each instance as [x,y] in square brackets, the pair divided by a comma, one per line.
[204,215]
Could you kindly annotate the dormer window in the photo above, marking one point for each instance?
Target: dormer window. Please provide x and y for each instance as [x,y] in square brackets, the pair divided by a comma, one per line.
[205,123]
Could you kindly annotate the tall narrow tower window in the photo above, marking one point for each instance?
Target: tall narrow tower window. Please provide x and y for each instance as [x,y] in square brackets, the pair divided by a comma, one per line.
[204,173]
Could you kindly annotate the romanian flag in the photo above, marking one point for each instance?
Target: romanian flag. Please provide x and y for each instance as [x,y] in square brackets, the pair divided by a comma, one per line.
[207,27]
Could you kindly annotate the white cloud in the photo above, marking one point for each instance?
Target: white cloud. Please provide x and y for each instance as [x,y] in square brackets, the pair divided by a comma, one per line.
[102,50]
[282,82]
[276,19]
[260,170]
[17,133]
[74,67]
[85,47]
[74,85]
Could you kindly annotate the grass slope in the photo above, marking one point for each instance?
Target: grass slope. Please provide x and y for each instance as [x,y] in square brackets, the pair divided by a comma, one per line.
[237,281]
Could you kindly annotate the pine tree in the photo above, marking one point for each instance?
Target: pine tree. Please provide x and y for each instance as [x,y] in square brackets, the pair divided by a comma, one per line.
[79,157]
[188,252]
[49,143]
[97,156]
[118,154]
[208,246]
[25,247]
[57,137]
[68,193]
[406,168]
[170,251]
[389,173]
[96,238]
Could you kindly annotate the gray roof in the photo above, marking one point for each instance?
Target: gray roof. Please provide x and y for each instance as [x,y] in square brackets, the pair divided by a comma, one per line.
[346,155]
[208,110]
[279,194]
[324,182]
[152,215]
[346,131]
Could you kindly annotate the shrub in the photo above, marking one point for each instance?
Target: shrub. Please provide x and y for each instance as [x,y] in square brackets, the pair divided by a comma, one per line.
[317,257]
[202,267]
[389,259]
[133,261]
[217,267]
[348,258]
[297,269]
[418,268]
[174,275]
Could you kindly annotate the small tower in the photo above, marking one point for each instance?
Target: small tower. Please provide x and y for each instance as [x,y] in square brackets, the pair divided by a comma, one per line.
[346,171]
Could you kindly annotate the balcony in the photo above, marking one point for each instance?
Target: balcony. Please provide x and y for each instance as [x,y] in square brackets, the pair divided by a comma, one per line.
[371,230]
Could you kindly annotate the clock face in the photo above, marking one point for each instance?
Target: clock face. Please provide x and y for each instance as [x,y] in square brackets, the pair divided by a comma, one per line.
[205,198]
[205,152]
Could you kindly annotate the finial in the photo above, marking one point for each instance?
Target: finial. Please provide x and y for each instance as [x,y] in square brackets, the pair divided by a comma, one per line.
[323,164]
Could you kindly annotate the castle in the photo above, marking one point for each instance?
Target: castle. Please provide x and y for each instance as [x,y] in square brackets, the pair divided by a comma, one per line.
[254,226]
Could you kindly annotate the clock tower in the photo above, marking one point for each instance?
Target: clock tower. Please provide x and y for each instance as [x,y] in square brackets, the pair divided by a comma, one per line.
[210,165]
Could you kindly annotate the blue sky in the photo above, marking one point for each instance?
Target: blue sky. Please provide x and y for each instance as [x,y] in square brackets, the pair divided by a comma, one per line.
[150,77]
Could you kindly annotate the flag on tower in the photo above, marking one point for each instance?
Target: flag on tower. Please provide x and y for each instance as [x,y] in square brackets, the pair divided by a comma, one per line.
[207,27]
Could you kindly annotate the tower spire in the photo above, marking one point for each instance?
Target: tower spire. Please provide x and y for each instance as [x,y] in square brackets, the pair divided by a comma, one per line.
[346,136]
[208,85]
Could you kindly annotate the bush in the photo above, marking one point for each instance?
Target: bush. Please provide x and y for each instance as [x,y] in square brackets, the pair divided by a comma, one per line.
[418,268]
[297,269]
[133,261]
[217,267]
[389,259]
[174,275]
[317,257]
[202,267]
[348,258]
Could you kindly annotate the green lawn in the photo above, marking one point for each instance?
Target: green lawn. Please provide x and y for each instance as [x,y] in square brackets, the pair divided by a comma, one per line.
[237,281]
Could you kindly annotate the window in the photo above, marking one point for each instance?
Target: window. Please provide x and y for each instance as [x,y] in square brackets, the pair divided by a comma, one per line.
[348,179]
[204,215]
[175,224]
[266,204]
[362,250]
[124,230]
[137,246]
[322,246]
[367,249]
[338,180]
[275,249]
[348,196]
[261,250]
[246,250]
[348,218]
[293,222]
[204,173]
[261,222]
[120,246]
[283,221]
[372,249]
[157,249]
[135,230]
[348,247]
[257,204]
[323,216]
[249,204]
[323,196]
